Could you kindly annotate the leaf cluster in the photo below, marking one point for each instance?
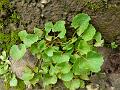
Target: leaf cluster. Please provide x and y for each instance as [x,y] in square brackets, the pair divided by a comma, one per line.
[70,59]
[5,72]
[114,45]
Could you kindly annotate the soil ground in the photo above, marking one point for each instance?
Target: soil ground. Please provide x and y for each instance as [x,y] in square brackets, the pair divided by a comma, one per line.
[105,17]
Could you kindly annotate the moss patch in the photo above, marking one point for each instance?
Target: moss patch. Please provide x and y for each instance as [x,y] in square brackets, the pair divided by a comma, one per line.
[8,15]
[96,5]
[7,40]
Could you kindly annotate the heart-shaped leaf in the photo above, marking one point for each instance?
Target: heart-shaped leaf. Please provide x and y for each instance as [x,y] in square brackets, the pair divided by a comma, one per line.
[17,51]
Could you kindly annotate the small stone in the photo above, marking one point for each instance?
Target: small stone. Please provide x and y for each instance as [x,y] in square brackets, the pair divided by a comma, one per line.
[18,66]
[42,6]
[44,1]
[42,15]
[92,87]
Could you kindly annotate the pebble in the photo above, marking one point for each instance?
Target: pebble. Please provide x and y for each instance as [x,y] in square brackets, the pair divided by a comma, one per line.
[42,6]
[44,1]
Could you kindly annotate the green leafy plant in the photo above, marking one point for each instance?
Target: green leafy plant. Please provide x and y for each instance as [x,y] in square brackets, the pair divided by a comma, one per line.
[4,63]
[14,17]
[114,45]
[6,74]
[5,71]
[70,59]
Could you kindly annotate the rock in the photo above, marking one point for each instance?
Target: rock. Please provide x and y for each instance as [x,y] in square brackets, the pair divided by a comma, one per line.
[18,66]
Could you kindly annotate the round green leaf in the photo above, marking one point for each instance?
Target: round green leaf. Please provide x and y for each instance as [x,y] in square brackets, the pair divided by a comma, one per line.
[60,27]
[46,58]
[81,20]
[13,81]
[41,45]
[67,77]
[27,75]
[64,67]
[73,84]
[95,61]
[22,34]
[49,80]
[17,51]
[83,47]
[30,39]
[53,70]
[89,33]
[98,37]
[80,67]
[49,51]
[92,62]
[38,32]
[48,27]
[58,57]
